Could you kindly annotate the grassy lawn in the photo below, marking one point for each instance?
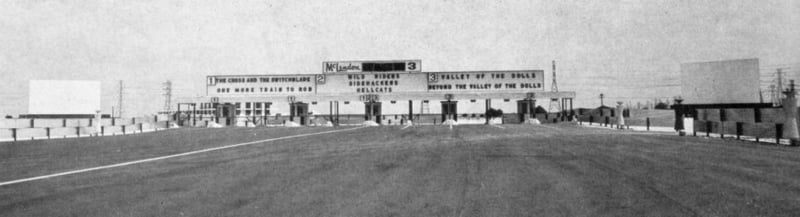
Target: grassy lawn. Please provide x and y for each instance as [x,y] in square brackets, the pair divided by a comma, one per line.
[518,170]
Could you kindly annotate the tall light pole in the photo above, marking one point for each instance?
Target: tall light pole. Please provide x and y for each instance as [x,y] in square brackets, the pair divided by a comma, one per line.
[601,100]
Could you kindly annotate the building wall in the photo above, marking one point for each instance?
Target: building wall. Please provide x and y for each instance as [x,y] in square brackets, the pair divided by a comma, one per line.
[352,89]
[400,107]
[282,108]
[507,107]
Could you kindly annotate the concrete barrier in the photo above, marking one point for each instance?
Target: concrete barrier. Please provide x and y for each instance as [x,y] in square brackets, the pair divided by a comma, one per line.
[111,130]
[15,123]
[5,134]
[62,132]
[40,123]
[28,133]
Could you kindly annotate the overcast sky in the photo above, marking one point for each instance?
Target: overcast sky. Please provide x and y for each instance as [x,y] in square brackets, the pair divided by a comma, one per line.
[630,50]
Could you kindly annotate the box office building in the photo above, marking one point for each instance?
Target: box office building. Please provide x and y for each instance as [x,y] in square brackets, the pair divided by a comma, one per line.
[387,92]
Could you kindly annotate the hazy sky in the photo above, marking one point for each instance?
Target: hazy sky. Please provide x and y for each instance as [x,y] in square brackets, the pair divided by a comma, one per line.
[630,50]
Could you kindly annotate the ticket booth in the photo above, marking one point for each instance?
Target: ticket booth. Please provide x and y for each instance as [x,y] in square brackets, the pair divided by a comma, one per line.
[525,109]
[372,111]
[226,111]
[449,110]
[372,107]
[299,110]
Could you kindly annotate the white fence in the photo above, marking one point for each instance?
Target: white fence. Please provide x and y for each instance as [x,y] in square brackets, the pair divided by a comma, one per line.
[30,129]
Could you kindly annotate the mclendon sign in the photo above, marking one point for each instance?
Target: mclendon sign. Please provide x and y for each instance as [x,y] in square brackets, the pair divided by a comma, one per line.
[371,66]
[340,67]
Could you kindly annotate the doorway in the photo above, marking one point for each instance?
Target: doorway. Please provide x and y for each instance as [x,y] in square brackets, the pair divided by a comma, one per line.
[300,110]
[525,109]
[372,111]
[226,111]
[449,110]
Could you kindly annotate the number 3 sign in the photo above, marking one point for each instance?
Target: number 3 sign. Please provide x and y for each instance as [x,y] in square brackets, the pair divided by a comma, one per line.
[413,66]
[432,78]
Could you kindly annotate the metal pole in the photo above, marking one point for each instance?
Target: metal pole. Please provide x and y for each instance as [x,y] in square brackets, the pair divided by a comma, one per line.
[410,110]
[178,116]
[337,113]
[486,110]
[194,115]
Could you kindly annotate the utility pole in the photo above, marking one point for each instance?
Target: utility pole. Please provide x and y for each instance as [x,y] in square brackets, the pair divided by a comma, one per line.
[554,104]
[780,82]
[774,97]
[555,84]
[167,96]
[119,103]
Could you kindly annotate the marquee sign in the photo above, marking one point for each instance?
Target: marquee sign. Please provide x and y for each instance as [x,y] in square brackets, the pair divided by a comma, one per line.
[372,66]
[432,78]
[341,67]
[321,79]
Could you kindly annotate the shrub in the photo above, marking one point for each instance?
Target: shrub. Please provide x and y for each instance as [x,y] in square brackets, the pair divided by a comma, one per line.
[661,105]
[493,113]
[539,110]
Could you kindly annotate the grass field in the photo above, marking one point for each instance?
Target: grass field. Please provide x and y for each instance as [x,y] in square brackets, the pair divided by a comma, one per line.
[512,170]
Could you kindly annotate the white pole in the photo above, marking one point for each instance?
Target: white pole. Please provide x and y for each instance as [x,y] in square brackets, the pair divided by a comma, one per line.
[620,118]
[98,124]
[451,125]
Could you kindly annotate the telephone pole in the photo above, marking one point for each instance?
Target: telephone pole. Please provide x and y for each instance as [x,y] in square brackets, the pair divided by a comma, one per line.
[773,96]
[554,88]
[779,86]
[167,96]
[780,81]
[119,103]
